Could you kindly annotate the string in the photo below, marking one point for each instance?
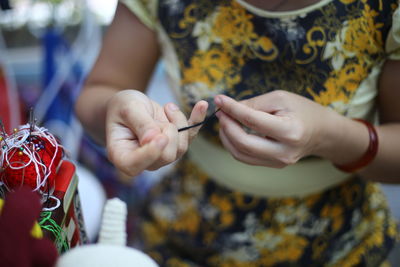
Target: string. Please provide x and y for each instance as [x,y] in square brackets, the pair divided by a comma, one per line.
[21,141]
[58,203]
[47,223]
[200,123]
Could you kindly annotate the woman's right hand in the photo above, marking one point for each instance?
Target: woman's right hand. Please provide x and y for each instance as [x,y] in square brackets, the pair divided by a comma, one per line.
[142,135]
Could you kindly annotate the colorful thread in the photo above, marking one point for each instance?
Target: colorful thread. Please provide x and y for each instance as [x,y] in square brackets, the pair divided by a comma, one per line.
[47,223]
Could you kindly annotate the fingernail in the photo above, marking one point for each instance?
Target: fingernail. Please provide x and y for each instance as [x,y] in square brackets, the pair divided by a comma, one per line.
[173,107]
[148,135]
[203,109]
[218,100]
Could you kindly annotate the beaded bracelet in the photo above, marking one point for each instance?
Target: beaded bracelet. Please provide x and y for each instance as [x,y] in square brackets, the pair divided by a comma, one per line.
[368,156]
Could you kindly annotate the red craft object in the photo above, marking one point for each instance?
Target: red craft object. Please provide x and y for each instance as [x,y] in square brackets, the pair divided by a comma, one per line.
[28,175]
[31,159]
[9,102]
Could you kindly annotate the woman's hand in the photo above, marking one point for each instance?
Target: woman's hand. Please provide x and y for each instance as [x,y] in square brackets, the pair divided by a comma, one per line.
[284,127]
[142,135]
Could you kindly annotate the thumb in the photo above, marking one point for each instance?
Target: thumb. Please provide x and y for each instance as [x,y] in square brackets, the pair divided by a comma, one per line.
[138,119]
[197,115]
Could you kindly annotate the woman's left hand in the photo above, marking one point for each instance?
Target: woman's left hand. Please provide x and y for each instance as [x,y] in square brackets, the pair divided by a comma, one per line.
[284,127]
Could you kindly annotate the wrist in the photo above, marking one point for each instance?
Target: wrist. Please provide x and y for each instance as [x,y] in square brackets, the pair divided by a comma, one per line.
[329,134]
[342,140]
[368,156]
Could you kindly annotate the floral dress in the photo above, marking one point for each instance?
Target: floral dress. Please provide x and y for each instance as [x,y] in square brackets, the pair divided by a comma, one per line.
[330,52]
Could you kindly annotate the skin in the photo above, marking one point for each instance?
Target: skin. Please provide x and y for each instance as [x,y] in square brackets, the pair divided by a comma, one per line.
[139,133]
[142,135]
[290,127]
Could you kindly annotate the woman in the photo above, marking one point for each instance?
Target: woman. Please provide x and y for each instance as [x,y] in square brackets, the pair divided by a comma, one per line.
[285,176]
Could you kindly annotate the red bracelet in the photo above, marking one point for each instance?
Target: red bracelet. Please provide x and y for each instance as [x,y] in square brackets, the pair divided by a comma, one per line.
[368,156]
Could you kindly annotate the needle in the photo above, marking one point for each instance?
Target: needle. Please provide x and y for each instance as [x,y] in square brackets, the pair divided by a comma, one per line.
[200,123]
[31,121]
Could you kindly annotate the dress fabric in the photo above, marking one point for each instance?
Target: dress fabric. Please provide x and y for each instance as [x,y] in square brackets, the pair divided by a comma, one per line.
[330,52]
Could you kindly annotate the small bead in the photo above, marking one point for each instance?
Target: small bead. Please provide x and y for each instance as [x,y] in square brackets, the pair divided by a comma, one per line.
[20,153]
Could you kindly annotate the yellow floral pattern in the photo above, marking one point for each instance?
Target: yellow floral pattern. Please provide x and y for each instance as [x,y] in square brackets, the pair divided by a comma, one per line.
[326,54]
[224,39]
[345,226]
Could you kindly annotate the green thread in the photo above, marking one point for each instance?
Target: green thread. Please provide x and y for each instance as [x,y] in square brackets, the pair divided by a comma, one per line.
[47,223]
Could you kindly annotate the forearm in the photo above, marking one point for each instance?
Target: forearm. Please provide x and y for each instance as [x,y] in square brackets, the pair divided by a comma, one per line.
[127,59]
[346,140]
[386,166]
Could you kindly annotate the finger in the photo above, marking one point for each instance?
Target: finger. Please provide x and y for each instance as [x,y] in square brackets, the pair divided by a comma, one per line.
[176,117]
[248,144]
[137,118]
[243,157]
[272,102]
[171,149]
[170,152]
[260,121]
[131,158]
[198,115]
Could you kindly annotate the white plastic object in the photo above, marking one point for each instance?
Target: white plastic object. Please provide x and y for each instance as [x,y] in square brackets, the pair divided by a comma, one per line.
[104,255]
[112,230]
[111,251]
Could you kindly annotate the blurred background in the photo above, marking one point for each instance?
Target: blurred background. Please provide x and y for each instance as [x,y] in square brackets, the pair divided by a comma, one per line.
[47,48]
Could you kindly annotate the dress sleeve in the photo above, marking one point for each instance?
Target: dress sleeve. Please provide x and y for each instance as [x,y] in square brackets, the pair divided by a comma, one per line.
[145,10]
[393,39]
